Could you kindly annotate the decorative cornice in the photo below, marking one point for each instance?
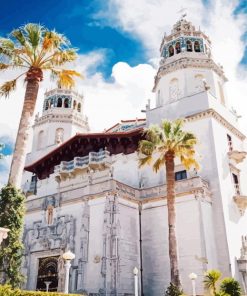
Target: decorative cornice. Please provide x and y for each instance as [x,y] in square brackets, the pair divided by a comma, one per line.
[185,61]
[212,113]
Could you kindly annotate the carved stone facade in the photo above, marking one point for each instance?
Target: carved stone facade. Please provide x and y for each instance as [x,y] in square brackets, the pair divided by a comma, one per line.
[93,198]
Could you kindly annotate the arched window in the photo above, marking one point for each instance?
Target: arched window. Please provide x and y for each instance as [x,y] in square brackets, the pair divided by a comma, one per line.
[197,46]
[59,102]
[46,105]
[79,107]
[66,103]
[51,103]
[178,47]
[189,45]
[59,135]
[171,51]
[199,86]
[40,140]
[222,97]
[174,91]
[74,104]
[49,213]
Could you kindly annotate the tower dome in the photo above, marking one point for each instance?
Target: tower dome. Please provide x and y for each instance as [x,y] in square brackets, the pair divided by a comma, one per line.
[62,117]
[185,38]
[187,67]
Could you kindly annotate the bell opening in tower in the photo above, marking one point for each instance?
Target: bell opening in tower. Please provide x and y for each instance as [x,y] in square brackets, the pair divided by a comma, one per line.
[47,279]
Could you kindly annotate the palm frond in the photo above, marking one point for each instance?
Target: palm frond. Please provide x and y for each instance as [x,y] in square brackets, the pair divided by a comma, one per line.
[6,47]
[61,57]
[53,40]
[146,147]
[158,164]
[4,66]
[145,160]
[167,127]
[33,34]
[19,36]
[65,78]
[7,87]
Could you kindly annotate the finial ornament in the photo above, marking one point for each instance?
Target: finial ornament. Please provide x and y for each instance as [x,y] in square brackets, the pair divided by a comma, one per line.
[182,12]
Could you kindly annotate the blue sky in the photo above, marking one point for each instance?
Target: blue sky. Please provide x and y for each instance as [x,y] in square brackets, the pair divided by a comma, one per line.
[78,20]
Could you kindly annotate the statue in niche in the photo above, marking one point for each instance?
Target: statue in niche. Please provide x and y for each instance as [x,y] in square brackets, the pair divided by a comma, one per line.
[59,135]
[49,215]
[61,274]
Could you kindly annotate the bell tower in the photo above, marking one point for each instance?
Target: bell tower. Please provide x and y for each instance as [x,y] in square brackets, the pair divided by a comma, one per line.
[187,69]
[190,85]
[62,117]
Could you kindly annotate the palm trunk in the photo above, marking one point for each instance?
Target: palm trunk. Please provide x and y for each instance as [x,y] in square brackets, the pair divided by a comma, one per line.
[23,135]
[173,252]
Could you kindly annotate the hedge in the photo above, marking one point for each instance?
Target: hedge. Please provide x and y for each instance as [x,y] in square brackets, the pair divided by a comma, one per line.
[7,291]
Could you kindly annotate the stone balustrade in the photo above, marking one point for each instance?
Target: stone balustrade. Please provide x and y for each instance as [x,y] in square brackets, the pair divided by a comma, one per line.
[193,185]
[93,160]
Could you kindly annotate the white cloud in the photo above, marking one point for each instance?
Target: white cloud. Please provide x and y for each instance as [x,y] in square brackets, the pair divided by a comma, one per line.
[149,19]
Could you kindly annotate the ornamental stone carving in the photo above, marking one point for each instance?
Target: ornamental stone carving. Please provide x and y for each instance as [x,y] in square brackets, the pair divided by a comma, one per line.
[110,270]
[59,235]
[84,246]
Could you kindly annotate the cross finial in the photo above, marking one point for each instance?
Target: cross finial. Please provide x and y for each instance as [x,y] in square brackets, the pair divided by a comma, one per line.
[183,12]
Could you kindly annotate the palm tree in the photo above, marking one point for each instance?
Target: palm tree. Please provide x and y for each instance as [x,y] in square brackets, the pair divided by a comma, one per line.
[160,148]
[33,49]
[210,280]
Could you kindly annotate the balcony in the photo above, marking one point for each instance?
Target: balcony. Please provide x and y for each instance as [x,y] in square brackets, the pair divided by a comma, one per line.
[237,156]
[240,200]
[94,160]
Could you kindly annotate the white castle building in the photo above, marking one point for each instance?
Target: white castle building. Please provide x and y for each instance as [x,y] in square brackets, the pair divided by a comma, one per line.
[86,192]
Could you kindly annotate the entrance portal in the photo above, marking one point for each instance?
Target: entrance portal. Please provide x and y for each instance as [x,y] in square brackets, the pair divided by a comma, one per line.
[47,273]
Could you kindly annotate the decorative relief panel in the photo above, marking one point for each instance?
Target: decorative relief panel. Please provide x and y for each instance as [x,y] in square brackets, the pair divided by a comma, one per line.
[84,245]
[111,234]
[41,236]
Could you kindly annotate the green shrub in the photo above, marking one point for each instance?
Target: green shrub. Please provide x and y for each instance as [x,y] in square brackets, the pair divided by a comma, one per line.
[173,290]
[231,287]
[7,291]
[11,249]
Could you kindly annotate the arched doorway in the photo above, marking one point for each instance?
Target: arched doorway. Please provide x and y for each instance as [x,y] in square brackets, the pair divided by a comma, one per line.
[48,272]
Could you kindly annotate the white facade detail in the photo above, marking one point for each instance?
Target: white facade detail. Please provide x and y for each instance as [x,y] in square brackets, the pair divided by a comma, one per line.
[91,196]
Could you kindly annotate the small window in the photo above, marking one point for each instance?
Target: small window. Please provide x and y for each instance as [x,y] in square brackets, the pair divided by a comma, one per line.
[79,107]
[46,105]
[197,46]
[235,178]
[229,140]
[178,47]
[66,103]
[171,51]
[51,103]
[236,183]
[189,45]
[59,102]
[180,175]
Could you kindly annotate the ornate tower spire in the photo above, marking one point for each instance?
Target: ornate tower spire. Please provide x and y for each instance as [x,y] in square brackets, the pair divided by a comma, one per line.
[186,65]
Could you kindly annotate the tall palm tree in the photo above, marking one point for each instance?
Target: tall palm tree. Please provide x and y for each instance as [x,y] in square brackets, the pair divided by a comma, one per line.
[160,148]
[33,49]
